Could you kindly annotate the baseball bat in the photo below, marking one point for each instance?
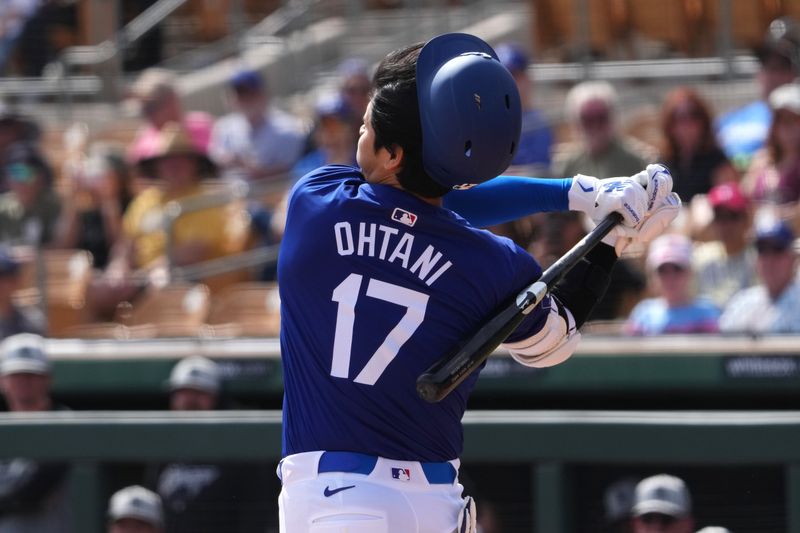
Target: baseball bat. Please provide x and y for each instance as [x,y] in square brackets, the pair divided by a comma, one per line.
[448,372]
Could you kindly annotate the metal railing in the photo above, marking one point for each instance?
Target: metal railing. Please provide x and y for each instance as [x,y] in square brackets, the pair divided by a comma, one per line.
[235,192]
[548,442]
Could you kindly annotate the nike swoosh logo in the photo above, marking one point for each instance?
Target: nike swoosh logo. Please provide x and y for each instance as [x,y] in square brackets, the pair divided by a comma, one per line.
[330,492]
[585,189]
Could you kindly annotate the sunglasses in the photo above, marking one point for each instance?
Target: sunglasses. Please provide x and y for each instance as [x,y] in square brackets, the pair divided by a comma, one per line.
[770,248]
[20,172]
[670,268]
[687,114]
[721,215]
[594,119]
[663,520]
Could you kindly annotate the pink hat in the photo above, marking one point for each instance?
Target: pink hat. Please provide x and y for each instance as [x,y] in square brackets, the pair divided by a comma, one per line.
[728,196]
[673,248]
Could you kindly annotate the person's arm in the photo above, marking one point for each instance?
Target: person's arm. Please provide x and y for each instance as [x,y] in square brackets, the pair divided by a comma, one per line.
[507,198]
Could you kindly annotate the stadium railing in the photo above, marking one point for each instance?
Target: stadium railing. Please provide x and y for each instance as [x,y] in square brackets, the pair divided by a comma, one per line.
[548,441]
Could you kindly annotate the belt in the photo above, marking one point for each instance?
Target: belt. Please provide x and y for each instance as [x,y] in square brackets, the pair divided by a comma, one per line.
[360,463]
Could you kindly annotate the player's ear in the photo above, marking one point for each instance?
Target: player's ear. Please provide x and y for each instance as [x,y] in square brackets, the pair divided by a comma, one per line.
[395,160]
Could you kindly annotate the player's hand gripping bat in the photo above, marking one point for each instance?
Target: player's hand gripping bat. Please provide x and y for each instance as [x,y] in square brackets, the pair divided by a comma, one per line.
[449,371]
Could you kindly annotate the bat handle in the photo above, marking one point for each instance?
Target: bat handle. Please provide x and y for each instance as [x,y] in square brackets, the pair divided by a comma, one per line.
[427,389]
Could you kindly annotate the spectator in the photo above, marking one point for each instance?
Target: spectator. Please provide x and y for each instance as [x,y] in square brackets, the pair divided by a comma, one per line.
[30,209]
[135,509]
[774,175]
[675,310]
[773,306]
[662,504]
[727,264]
[96,195]
[743,131]
[355,85]
[48,31]
[592,107]
[14,128]
[12,20]
[14,318]
[208,498]
[33,496]
[257,140]
[334,137]
[141,252]
[536,138]
[179,166]
[690,149]
[159,105]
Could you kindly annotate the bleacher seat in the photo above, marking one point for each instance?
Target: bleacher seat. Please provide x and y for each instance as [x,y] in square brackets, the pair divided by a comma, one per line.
[245,309]
[65,277]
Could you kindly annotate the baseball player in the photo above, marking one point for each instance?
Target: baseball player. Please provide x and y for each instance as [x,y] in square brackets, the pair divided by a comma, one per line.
[380,276]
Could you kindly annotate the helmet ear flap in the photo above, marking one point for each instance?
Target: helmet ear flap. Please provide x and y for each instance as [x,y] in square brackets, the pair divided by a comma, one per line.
[470,111]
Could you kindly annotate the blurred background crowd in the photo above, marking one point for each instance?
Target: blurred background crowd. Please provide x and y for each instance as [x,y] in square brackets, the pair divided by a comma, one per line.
[147,147]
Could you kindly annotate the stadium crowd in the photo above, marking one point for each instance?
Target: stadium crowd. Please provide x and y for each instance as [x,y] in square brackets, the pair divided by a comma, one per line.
[729,265]
[115,201]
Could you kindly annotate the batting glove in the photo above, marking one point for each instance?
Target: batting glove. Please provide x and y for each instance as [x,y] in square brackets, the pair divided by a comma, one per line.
[654,224]
[657,181]
[467,517]
[598,198]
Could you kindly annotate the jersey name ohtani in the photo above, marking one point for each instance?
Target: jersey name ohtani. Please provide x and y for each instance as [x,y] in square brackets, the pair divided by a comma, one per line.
[392,245]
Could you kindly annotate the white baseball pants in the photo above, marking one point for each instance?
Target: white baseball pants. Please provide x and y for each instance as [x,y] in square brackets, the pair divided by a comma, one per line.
[368,495]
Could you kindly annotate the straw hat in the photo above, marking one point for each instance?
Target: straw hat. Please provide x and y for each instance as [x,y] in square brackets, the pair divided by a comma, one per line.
[175,141]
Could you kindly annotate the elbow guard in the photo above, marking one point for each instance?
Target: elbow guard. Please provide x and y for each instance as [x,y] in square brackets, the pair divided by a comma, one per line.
[551,345]
[583,286]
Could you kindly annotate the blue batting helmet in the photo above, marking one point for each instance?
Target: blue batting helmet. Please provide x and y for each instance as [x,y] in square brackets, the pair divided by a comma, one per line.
[469,108]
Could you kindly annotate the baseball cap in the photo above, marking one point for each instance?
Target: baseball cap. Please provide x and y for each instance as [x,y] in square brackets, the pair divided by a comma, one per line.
[782,40]
[136,502]
[512,56]
[332,105]
[728,196]
[247,79]
[9,266]
[672,248]
[197,373]
[23,353]
[714,529]
[663,494]
[774,231]
[786,97]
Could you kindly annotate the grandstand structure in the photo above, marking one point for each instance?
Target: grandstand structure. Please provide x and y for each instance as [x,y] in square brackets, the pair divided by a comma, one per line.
[723,411]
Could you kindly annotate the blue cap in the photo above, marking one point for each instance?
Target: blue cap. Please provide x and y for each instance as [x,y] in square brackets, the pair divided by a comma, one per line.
[353,66]
[247,79]
[513,57]
[469,109]
[9,266]
[333,105]
[776,232]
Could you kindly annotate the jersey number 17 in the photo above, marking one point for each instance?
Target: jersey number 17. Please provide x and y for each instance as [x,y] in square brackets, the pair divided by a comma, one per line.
[346,294]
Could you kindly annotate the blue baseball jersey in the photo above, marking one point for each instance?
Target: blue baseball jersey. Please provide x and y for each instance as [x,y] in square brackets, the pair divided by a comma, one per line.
[376,285]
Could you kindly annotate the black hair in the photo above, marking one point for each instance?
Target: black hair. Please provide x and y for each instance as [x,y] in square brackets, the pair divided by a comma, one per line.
[396,121]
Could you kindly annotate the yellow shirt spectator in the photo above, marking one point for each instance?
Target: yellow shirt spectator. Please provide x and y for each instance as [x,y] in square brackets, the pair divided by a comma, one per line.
[216,228]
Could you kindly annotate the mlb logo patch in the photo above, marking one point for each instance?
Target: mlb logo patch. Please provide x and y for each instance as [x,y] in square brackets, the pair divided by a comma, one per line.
[404,217]
[403,474]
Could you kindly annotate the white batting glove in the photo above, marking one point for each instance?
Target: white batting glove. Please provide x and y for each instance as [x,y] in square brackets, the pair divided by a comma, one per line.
[598,198]
[654,224]
[468,517]
[657,181]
